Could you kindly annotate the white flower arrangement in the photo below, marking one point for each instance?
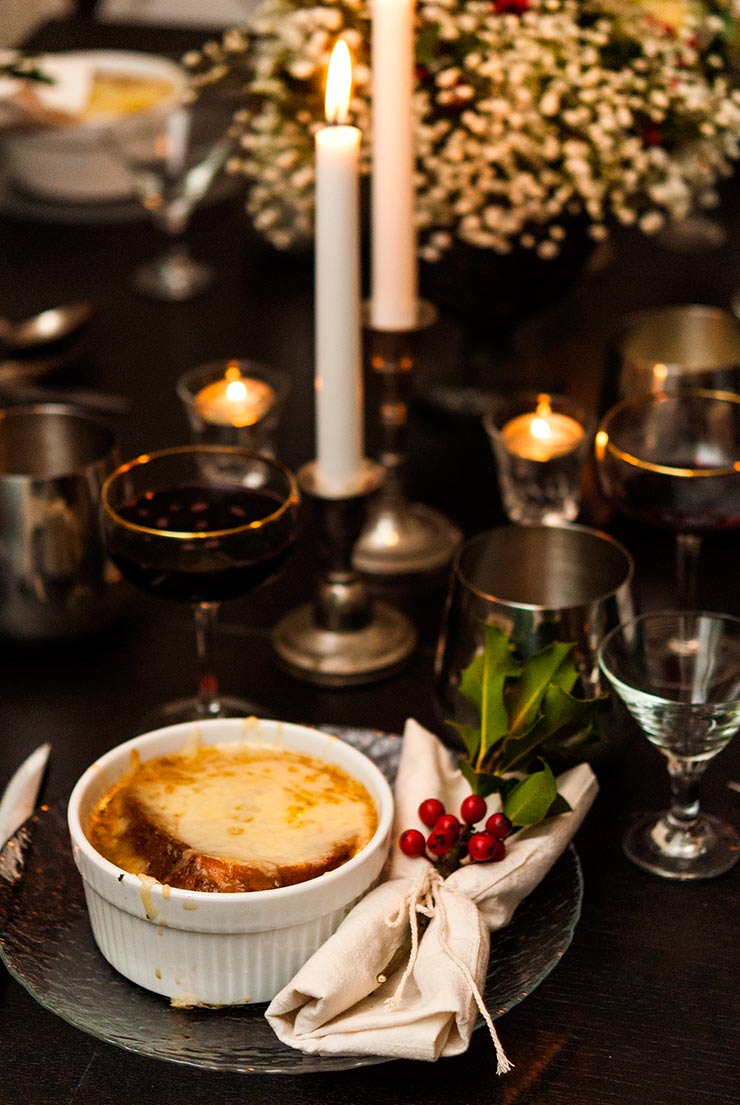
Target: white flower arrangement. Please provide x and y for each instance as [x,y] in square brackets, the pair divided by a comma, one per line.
[529,113]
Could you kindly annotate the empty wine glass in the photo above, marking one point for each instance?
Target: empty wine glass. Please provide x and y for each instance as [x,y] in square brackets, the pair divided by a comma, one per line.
[172,155]
[687,702]
[672,459]
[200,524]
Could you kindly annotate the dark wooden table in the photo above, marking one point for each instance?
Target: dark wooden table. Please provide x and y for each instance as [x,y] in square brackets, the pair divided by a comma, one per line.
[645,1005]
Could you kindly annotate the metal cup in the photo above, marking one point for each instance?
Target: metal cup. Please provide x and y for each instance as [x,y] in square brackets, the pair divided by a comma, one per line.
[683,346]
[539,584]
[55,578]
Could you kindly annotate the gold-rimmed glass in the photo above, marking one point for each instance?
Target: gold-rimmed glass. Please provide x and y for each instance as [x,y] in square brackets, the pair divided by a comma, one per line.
[672,459]
[200,524]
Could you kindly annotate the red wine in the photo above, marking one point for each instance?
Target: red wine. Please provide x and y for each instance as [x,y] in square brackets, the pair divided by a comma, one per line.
[177,563]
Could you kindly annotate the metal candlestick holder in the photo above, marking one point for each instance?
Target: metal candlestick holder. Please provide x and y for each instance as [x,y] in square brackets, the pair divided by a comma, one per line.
[342,637]
[400,537]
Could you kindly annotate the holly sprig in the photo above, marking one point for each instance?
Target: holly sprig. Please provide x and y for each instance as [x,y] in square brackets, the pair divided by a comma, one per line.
[21,69]
[528,717]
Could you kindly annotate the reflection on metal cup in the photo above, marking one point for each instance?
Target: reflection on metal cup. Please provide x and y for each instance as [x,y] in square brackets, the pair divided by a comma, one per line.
[679,346]
[538,584]
[55,578]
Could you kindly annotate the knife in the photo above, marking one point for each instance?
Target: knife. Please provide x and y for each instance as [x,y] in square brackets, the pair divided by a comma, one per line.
[19,799]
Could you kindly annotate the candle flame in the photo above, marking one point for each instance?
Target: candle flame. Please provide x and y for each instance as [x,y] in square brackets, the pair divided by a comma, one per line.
[338,84]
[236,391]
[601,441]
[540,427]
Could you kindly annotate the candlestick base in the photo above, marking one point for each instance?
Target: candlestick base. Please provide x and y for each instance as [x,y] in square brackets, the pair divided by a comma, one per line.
[342,637]
[402,538]
[347,657]
[399,537]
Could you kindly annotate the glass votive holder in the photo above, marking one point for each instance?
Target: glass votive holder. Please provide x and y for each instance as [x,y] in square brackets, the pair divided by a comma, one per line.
[540,443]
[234,402]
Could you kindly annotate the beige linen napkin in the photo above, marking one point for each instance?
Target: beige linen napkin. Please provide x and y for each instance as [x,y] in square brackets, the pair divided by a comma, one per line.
[335,1005]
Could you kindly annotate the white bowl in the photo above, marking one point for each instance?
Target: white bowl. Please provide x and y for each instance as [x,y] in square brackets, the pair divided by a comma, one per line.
[70,164]
[201,948]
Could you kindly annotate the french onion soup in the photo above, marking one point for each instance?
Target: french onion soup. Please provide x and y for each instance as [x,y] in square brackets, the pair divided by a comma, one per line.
[232,817]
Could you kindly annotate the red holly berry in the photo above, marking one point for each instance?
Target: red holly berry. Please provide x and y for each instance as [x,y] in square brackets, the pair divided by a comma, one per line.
[499,824]
[484,847]
[438,844]
[473,809]
[412,843]
[449,826]
[430,811]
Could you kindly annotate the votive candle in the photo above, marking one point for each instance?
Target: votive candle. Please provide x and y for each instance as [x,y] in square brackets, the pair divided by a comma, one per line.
[235,400]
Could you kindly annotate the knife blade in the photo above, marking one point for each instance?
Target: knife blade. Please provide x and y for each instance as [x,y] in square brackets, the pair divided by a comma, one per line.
[19,798]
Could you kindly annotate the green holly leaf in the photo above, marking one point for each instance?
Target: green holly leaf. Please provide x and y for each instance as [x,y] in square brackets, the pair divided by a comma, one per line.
[483,782]
[529,801]
[527,712]
[559,805]
[470,737]
[483,682]
[552,665]
[561,715]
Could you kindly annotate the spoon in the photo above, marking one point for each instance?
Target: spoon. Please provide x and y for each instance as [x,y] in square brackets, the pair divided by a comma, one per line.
[47,327]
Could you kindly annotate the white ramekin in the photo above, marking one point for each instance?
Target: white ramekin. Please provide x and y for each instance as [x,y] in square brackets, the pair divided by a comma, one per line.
[73,164]
[200,948]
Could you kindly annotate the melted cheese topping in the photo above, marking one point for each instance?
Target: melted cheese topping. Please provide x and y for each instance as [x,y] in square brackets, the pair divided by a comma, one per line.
[114,94]
[259,807]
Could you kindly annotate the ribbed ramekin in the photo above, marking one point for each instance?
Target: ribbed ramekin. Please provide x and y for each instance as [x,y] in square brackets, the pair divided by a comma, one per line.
[202,948]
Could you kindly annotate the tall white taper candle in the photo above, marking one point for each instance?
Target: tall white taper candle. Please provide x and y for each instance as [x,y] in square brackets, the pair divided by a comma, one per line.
[338,381]
[394,269]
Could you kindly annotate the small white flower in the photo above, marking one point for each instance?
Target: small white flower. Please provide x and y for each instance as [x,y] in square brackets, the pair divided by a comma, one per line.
[520,120]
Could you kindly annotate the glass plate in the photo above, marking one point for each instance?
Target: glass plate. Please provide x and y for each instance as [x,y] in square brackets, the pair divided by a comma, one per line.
[46,943]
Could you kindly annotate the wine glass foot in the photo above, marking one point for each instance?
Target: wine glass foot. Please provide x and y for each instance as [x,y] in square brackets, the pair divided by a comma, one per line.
[174,278]
[192,709]
[707,848]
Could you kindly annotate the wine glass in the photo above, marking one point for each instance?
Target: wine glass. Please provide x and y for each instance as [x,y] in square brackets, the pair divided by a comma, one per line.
[687,701]
[172,155]
[200,524]
[672,459]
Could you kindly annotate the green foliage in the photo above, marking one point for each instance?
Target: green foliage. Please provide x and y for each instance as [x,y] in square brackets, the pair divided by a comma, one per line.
[25,71]
[527,712]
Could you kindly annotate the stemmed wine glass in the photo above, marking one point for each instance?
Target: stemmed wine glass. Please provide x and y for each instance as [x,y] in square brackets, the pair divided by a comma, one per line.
[200,524]
[672,459]
[687,701]
[172,155]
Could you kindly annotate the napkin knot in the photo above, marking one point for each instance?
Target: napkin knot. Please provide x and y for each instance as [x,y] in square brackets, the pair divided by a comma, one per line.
[425,897]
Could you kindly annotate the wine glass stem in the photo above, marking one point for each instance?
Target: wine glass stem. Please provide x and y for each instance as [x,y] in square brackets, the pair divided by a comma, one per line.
[688,550]
[685,778]
[209,702]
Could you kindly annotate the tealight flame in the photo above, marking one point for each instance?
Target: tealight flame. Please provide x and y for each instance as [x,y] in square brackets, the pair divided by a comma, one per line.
[236,389]
[601,440]
[338,84]
[540,427]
